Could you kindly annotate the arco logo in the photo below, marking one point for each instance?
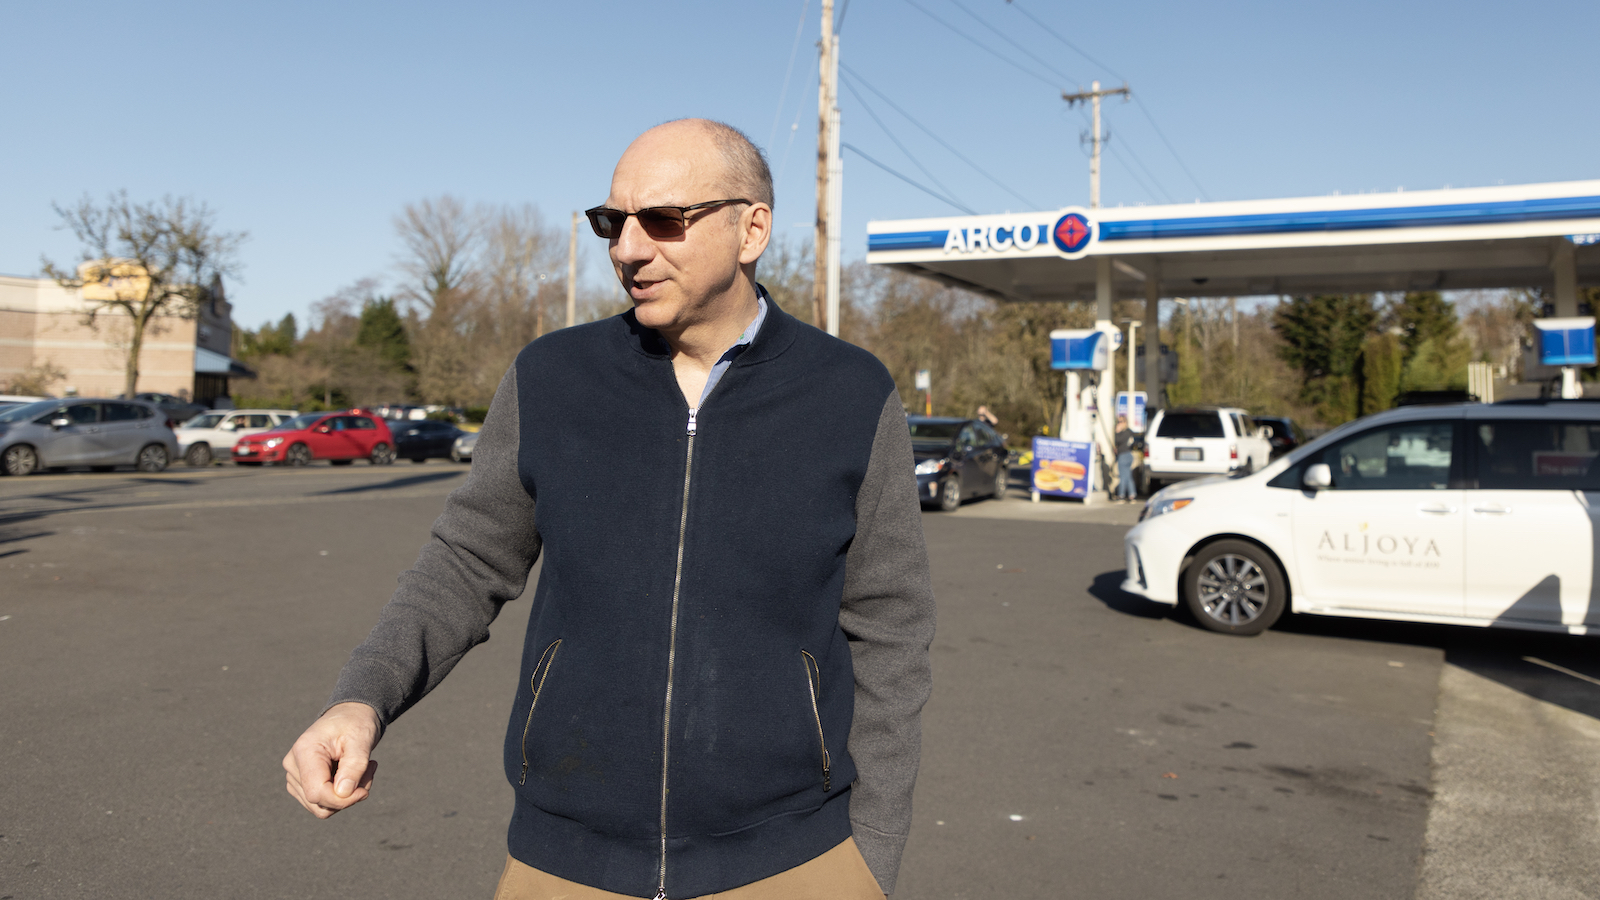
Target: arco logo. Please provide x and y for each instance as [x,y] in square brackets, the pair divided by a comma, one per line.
[1072,233]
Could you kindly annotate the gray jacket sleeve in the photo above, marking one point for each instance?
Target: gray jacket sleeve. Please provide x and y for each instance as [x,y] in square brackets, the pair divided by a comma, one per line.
[888,615]
[482,547]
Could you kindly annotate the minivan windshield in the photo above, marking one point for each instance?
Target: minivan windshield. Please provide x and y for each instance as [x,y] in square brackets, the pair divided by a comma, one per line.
[28,411]
[1191,425]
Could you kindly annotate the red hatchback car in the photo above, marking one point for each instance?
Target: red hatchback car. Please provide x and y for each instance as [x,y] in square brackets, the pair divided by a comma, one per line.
[339,437]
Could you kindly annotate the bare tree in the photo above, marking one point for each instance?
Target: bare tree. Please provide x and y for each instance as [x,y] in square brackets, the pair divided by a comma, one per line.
[145,260]
[441,239]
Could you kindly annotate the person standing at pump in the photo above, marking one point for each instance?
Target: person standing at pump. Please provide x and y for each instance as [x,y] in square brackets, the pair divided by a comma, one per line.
[1124,448]
[727,656]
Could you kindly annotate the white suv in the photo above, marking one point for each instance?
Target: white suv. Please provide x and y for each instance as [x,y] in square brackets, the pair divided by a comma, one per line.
[1194,441]
[211,435]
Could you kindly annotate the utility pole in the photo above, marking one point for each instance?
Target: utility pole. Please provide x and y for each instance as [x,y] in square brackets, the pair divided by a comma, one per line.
[825,273]
[1093,96]
[572,274]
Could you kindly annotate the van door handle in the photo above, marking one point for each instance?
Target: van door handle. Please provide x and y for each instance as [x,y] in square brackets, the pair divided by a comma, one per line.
[1495,510]
[1436,509]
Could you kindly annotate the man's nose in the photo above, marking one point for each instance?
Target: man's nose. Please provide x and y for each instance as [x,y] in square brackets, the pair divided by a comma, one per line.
[632,244]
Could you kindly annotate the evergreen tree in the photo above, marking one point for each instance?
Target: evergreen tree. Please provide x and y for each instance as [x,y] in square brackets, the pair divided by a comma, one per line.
[1382,360]
[382,330]
[1423,316]
[1322,337]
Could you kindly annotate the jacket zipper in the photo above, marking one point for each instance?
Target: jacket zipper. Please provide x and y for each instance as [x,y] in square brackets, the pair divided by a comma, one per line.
[814,685]
[672,652]
[541,671]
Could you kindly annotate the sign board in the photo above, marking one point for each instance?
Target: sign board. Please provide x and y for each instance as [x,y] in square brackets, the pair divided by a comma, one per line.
[1136,416]
[1080,348]
[924,380]
[1061,468]
[1566,342]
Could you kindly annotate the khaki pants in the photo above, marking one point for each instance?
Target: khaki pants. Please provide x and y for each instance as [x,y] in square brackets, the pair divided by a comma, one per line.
[839,874]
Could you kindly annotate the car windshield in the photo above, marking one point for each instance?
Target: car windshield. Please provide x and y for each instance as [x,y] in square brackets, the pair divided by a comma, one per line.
[204,420]
[300,422]
[1190,425]
[28,411]
[936,432]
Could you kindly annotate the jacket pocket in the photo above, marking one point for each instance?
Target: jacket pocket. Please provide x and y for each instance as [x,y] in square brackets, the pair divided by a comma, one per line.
[541,671]
[814,689]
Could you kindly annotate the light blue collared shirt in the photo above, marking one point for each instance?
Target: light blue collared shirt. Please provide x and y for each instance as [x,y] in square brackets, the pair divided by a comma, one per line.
[738,347]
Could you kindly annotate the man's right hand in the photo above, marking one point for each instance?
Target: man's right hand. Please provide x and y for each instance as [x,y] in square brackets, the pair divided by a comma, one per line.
[330,767]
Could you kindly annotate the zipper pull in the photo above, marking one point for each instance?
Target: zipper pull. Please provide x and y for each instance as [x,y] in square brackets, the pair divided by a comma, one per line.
[662,894]
[524,778]
[692,413]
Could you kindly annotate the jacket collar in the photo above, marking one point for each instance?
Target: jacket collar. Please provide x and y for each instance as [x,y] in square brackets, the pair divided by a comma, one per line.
[778,331]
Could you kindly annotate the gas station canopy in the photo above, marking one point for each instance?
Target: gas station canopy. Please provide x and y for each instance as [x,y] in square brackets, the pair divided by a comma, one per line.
[1495,237]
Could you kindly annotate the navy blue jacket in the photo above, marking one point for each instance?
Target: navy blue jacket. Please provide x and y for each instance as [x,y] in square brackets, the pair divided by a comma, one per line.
[728,613]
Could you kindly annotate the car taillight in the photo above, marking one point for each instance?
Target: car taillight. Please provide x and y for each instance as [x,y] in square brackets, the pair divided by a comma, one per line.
[1233,451]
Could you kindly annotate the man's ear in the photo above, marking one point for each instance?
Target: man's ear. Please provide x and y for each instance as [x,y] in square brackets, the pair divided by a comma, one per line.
[755,231]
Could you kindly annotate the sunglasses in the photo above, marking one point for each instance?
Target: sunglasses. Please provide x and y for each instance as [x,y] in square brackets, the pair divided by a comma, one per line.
[657,221]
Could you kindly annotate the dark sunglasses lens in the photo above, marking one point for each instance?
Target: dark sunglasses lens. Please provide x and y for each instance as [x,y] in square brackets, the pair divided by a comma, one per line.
[661,222]
[607,223]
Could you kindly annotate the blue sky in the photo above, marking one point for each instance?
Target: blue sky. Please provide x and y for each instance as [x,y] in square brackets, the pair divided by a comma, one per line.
[311,125]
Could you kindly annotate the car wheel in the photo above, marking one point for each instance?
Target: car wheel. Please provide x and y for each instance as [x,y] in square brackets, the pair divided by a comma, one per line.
[1001,481]
[199,456]
[153,458]
[19,459]
[298,455]
[1235,587]
[382,455]
[340,462]
[950,494]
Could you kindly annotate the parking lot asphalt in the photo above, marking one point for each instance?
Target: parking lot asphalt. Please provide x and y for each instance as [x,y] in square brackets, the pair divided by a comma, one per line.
[164,638]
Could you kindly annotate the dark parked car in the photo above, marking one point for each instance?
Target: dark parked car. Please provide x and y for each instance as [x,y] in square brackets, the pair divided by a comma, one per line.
[425,440]
[956,459]
[1285,436]
[176,408]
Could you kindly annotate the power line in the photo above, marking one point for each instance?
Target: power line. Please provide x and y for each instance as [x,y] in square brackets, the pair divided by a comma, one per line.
[985,23]
[783,95]
[986,48]
[1160,188]
[930,192]
[1110,71]
[1070,45]
[1171,148]
[854,76]
[931,177]
[1117,152]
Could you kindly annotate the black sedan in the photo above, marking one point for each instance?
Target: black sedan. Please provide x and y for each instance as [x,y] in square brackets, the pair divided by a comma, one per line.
[420,441]
[957,459]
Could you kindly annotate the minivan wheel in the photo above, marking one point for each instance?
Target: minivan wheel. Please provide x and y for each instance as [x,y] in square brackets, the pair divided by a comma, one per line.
[199,456]
[1235,587]
[153,458]
[19,459]
[950,493]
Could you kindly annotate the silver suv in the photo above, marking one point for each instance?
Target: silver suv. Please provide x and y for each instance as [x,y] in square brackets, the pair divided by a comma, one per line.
[100,434]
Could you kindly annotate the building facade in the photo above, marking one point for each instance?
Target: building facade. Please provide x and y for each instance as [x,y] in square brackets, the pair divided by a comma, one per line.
[45,332]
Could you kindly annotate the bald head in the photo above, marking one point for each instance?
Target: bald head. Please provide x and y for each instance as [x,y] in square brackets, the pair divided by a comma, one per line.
[742,167]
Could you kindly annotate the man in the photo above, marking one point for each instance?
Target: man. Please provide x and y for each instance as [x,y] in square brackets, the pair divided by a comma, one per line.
[727,656]
[1124,447]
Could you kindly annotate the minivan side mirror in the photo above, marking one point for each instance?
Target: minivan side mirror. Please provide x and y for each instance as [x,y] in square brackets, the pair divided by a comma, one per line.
[1318,477]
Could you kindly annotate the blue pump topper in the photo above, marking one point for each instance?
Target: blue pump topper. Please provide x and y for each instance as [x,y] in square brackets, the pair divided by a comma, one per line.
[1080,348]
[1565,342]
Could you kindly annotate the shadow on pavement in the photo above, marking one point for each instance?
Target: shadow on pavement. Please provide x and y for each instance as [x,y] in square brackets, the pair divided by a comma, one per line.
[393,485]
[10,534]
[1107,588]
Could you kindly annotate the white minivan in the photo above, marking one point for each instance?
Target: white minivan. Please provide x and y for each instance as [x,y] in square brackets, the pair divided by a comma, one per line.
[1481,514]
[1196,441]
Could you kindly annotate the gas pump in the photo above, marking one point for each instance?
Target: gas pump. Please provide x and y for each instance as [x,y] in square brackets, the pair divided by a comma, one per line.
[1085,355]
[1567,343]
